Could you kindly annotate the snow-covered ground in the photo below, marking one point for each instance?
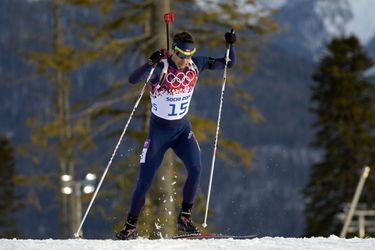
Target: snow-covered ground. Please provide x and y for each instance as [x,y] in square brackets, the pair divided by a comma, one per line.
[331,243]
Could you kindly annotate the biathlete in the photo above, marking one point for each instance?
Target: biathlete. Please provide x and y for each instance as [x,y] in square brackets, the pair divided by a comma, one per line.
[171,89]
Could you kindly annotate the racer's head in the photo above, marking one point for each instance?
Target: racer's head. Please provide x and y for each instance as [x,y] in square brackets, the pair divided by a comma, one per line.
[183,48]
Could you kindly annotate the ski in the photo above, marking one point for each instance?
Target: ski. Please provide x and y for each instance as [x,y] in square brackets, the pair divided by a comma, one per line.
[212,236]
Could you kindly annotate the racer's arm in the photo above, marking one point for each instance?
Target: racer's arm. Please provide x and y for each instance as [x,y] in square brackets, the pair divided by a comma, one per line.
[141,73]
[219,63]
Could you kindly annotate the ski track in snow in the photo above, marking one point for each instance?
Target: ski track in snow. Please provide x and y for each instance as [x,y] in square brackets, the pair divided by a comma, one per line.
[331,243]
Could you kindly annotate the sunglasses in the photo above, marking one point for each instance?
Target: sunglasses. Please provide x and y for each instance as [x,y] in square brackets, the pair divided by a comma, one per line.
[184,54]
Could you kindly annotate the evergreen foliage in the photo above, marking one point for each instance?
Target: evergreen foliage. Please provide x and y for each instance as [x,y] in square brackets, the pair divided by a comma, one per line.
[8,198]
[343,103]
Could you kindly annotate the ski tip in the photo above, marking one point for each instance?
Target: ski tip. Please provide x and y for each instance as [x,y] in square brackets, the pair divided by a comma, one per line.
[204,225]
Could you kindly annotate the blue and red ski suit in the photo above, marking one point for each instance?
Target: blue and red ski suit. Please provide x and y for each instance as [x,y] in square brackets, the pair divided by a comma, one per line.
[171,90]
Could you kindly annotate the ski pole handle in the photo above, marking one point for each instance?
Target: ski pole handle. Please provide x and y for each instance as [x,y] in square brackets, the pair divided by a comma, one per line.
[230,38]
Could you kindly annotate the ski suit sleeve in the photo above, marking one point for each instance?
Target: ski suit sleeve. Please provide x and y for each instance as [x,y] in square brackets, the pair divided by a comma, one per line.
[210,63]
[141,73]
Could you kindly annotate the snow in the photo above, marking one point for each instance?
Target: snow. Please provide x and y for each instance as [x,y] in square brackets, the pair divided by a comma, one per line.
[272,3]
[337,22]
[334,15]
[363,22]
[331,243]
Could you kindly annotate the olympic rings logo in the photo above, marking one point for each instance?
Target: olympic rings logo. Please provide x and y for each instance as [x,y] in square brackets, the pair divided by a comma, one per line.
[181,78]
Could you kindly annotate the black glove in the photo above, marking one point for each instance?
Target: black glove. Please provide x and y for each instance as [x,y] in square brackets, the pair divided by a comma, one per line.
[155,57]
[230,37]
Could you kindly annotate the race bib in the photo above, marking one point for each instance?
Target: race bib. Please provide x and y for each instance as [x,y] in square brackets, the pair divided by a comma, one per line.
[171,99]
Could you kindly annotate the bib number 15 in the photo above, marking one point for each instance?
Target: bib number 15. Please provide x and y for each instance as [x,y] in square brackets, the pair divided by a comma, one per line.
[178,109]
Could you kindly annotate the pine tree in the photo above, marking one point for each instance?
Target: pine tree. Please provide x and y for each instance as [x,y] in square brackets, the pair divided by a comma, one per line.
[343,104]
[8,199]
[59,137]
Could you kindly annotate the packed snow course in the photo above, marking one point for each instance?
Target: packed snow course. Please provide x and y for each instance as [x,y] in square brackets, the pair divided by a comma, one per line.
[330,243]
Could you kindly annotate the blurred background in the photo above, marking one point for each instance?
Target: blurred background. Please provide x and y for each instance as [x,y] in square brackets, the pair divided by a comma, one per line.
[296,131]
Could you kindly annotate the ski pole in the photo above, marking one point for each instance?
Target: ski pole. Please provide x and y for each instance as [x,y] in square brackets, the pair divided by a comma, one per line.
[217,134]
[114,152]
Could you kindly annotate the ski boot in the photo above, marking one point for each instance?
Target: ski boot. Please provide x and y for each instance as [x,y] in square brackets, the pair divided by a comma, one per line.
[129,231]
[184,223]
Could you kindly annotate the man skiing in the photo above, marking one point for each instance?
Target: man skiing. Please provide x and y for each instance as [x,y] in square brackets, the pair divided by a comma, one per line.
[171,89]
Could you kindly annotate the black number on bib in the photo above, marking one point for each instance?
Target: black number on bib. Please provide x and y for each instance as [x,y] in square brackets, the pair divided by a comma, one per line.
[183,108]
